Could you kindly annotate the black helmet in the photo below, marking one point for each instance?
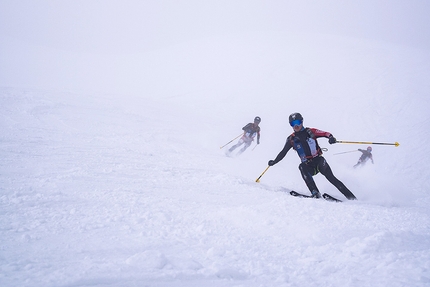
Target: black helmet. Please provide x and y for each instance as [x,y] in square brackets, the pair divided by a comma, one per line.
[257,119]
[295,116]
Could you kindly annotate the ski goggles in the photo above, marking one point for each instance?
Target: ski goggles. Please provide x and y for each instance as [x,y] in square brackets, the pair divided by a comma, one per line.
[296,123]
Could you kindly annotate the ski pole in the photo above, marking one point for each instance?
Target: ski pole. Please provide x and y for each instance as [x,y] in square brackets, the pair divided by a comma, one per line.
[258,179]
[345,152]
[254,147]
[352,142]
[231,141]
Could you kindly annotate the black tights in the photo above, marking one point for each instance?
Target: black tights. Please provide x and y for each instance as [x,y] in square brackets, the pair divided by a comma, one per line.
[319,164]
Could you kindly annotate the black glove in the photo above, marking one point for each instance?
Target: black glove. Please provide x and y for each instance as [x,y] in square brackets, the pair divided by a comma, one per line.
[271,162]
[258,142]
[331,139]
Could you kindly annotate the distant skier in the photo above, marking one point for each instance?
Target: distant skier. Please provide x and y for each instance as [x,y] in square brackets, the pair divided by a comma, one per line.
[365,156]
[304,142]
[249,132]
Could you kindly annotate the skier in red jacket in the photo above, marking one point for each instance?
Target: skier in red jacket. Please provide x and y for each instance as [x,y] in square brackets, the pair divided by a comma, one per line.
[304,142]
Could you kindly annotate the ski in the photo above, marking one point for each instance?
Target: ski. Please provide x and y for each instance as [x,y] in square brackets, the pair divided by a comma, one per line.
[326,196]
[295,193]
[331,198]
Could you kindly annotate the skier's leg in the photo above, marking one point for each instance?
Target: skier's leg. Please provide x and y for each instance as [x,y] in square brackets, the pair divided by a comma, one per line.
[247,144]
[325,169]
[239,143]
[307,173]
[360,161]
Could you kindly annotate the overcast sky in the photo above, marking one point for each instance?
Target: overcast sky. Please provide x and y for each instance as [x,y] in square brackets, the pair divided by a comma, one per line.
[139,25]
[114,46]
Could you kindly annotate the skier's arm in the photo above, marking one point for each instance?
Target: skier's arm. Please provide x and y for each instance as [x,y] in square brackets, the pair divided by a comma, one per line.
[282,153]
[246,127]
[319,134]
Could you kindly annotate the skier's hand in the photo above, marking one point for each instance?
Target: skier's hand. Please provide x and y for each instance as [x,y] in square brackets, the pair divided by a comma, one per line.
[271,162]
[258,142]
[331,139]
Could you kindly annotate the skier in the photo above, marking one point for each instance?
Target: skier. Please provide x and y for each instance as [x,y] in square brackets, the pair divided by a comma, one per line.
[250,131]
[365,156]
[304,142]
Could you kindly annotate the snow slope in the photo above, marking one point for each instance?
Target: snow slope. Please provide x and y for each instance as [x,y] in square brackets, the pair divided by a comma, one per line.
[131,188]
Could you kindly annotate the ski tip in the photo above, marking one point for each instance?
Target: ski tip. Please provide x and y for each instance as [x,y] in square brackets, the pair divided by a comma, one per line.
[330,198]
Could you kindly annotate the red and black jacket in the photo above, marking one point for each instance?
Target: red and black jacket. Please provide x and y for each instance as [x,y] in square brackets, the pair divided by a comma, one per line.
[304,143]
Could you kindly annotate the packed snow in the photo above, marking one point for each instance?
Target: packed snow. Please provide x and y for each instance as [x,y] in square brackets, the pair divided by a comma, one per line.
[127,183]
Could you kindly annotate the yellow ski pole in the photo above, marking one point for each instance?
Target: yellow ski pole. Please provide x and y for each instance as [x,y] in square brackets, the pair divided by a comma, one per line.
[352,142]
[258,179]
[231,140]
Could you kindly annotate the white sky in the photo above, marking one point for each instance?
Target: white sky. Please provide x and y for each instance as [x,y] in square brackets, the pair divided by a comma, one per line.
[108,45]
[124,26]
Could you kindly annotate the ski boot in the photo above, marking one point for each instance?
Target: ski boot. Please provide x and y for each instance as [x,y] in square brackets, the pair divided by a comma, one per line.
[316,194]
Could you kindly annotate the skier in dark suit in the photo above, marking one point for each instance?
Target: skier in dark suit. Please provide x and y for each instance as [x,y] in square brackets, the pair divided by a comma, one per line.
[365,156]
[304,142]
[249,132]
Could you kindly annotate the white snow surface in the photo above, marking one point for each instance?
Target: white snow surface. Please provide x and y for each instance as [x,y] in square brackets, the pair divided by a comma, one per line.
[131,188]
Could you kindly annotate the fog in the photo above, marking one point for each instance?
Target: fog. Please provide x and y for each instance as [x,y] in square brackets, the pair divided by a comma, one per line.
[110,46]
